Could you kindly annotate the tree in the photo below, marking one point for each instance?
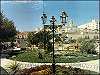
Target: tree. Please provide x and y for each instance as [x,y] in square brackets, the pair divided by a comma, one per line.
[80,39]
[30,36]
[88,46]
[41,39]
[7,29]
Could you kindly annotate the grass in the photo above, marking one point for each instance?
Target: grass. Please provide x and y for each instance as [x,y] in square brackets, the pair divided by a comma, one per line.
[75,57]
[33,57]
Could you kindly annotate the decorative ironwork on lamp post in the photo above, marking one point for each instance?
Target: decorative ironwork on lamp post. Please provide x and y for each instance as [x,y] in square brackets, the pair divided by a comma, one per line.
[63,19]
[52,22]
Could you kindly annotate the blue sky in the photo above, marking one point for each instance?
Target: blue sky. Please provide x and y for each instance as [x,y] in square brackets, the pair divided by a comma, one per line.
[26,14]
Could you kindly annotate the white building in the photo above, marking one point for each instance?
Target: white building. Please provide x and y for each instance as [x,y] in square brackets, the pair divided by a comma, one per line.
[69,27]
[94,24]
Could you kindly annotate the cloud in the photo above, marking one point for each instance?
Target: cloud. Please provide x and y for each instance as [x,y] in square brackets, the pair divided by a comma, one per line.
[18,2]
[5,2]
[36,4]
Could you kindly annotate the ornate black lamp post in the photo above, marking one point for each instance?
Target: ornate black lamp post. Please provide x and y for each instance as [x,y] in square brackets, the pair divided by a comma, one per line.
[44,19]
[52,22]
[63,18]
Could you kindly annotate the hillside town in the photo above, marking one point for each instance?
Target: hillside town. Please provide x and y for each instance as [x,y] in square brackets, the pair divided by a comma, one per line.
[73,31]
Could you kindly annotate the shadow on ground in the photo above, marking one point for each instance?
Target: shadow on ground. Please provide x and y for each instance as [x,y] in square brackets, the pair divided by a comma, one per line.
[3,71]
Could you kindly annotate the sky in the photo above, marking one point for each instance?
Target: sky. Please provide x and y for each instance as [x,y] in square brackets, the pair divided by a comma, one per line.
[27,14]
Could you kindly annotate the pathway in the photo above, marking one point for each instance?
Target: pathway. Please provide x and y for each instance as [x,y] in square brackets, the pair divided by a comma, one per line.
[92,65]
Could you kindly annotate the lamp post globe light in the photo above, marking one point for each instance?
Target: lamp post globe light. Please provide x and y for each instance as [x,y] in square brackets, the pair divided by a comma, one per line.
[63,19]
[52,22]
[44,18]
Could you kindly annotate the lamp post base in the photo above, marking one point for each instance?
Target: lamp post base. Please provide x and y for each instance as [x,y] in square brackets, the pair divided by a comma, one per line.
[53,69]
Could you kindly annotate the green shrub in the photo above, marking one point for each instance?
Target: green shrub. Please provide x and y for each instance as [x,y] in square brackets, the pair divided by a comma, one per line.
[88,46]
[13,67]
